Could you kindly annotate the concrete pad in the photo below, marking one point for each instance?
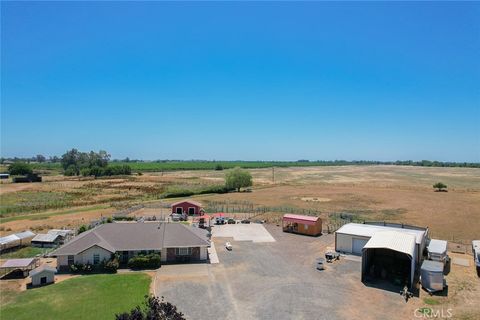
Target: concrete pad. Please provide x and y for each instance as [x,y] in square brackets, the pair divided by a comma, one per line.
[243,232]
[461,262]
[212,254]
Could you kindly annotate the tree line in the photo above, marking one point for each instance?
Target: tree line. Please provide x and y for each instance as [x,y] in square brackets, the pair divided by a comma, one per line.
[143,165]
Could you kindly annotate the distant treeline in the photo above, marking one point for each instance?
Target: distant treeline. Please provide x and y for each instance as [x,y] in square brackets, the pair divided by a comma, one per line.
[172,165]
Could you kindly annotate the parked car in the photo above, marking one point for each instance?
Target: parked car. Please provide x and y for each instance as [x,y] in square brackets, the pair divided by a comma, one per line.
[231,221]
[220,220]
[246,221]
[228,245]
[176,217]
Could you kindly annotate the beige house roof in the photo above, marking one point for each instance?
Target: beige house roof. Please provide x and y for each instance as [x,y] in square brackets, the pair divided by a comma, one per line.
[135,236]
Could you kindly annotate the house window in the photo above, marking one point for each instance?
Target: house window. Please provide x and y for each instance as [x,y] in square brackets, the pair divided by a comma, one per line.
[70,260]
[96,258]
[306,227]
[183,251]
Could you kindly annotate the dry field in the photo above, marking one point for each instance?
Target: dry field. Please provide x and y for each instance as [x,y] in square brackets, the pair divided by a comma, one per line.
[392,193]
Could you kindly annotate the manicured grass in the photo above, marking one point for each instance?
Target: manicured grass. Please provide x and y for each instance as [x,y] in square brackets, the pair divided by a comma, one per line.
[25,252]
[85,297]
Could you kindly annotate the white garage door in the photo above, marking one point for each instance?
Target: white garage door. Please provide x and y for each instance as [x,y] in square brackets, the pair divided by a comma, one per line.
[357,245]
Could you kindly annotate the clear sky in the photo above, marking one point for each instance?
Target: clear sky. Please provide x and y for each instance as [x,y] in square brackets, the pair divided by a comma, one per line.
[248,81]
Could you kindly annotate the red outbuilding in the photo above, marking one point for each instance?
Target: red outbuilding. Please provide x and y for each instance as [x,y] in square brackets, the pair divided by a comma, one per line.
[302,224]
[189,207]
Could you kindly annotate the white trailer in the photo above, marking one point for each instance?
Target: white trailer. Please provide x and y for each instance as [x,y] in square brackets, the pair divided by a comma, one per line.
[476,254]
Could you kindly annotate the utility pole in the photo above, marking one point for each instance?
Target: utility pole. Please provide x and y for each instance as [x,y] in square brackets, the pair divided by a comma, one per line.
[273,175]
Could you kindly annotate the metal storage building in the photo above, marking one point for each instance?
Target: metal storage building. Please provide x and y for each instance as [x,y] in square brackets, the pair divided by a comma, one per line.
[390,255]
[307,225]
[15,240]
[352,237]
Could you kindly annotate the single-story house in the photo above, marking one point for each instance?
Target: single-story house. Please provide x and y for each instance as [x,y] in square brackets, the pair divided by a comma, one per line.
[307,225]
[52,238]
[16,240]
[174,242]
[43,275]
[189,207]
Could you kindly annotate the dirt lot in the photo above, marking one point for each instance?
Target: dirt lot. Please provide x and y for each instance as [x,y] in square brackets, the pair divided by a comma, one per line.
[392,193]
[277,280]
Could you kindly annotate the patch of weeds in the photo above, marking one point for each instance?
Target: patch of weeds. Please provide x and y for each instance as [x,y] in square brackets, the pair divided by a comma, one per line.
[431,301]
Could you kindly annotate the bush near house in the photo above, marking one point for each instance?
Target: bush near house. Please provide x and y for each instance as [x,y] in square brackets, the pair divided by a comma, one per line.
[149,261]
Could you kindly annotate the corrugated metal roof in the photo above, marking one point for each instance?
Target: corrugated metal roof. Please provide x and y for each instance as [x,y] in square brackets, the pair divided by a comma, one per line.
[437,246]
[9,239]
[393,240]
[45,237]
[16,236]
[368,230]
[25,234]
[298,217]
[18,263]
[61,232]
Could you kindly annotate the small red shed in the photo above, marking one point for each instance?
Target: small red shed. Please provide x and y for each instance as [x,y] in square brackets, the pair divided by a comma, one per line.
[296,223]
[189,207]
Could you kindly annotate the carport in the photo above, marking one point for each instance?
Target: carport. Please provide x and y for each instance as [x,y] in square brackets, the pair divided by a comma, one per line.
[18,267]
[389,255]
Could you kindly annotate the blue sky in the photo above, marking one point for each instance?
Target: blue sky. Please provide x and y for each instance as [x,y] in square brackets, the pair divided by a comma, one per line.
[249,81]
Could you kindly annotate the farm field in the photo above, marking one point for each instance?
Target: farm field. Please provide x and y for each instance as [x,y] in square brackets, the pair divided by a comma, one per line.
[391,193]
[98,296]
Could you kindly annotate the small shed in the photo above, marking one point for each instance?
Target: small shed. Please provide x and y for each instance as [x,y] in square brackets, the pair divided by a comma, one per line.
[189,207]
[43,275]
[307,225]
[20,267]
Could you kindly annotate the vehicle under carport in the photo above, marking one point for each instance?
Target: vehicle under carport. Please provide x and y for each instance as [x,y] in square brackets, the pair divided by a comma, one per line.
[390,256]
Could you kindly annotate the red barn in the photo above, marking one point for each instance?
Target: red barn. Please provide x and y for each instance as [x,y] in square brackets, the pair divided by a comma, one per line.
[189,207]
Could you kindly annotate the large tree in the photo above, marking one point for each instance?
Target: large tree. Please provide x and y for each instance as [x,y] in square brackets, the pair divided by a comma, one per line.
[19,168]
[73,161]
[154,309]
[238,178]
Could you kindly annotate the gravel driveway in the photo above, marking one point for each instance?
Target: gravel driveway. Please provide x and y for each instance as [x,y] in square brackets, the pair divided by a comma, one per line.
[275,280]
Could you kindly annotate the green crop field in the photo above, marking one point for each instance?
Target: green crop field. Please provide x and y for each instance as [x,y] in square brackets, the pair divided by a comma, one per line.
[85,297]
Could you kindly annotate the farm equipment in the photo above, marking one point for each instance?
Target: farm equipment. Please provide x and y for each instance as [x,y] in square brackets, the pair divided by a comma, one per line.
[332,256]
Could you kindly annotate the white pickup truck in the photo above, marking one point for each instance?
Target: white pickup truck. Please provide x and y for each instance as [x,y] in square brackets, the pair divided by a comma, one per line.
[476,254]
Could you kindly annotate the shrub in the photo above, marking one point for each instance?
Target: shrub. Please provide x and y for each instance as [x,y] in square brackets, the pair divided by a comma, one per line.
[149,261]
[82,228]
[85,172]
[219,167]
[71,171]
[20,168]
[111,265]
[439,186]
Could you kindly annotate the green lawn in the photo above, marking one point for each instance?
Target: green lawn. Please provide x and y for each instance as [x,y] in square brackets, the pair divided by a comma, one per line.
[85,297]
[25,252]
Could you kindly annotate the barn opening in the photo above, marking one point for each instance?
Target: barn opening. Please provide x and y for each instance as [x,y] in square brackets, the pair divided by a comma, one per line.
[389,256]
